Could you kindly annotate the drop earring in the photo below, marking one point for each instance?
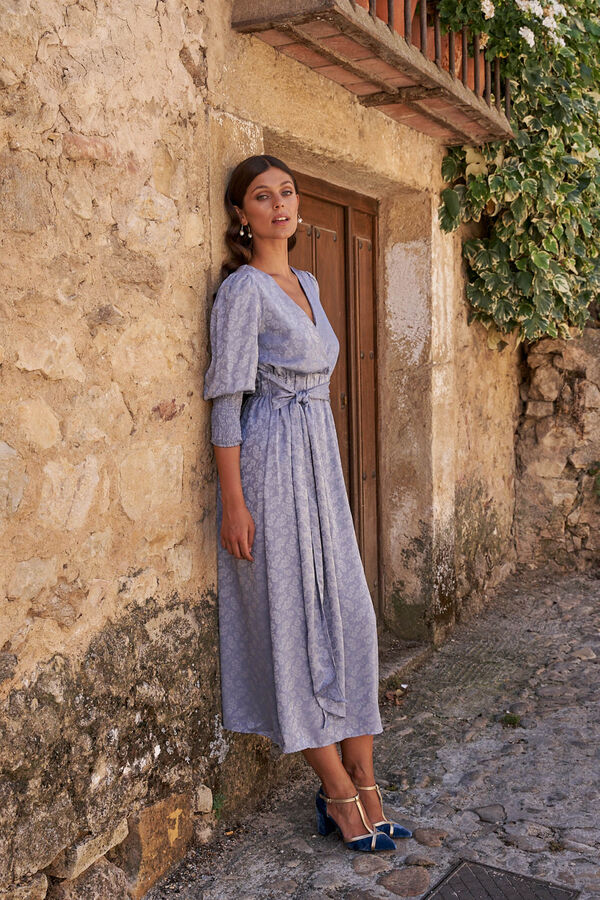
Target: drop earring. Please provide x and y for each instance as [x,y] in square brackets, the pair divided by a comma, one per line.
[300,219]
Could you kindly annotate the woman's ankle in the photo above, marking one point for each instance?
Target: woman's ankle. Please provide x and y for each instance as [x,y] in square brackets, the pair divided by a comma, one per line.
[338,788]
[359,776]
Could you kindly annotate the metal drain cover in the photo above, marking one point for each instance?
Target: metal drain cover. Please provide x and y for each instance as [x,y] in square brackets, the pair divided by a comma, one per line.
[477,881]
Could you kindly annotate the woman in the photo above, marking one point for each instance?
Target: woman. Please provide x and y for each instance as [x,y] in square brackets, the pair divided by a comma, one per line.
[298,638]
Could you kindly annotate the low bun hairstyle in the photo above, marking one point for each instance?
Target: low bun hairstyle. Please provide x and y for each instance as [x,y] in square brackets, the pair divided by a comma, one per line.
[240,246]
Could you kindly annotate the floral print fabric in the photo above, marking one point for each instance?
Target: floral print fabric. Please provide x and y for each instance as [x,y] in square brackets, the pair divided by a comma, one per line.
[297,628]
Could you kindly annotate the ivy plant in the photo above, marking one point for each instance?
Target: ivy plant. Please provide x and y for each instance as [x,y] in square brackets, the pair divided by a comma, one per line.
[536,269]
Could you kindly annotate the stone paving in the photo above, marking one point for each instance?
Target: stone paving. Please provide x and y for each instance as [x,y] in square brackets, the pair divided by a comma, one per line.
[492,754]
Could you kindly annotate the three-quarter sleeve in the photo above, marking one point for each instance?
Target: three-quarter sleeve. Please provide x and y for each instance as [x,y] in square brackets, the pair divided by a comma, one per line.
[225,425]
[235,326]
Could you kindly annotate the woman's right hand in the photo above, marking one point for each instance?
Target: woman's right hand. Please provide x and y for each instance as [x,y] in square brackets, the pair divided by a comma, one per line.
[237,530]
[237,527]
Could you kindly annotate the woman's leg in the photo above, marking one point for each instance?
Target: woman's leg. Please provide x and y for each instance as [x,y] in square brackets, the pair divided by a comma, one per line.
[357,760]
[337,783]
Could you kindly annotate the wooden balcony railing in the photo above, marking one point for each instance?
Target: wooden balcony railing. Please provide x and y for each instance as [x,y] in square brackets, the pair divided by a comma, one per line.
[392,55]
[419,24]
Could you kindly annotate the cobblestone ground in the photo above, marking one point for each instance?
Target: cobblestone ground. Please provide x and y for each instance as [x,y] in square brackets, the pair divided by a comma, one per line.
[521,796]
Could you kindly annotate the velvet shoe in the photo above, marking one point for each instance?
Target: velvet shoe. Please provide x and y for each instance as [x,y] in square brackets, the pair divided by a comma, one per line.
[392,829]
[369,842]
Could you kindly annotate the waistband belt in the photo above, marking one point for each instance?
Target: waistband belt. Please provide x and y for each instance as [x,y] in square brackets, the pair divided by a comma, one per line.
[283,393]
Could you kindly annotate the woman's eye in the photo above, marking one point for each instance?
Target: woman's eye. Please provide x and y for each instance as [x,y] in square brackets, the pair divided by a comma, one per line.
[264,196]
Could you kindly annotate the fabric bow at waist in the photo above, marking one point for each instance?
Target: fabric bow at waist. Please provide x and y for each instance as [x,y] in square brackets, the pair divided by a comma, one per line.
[283,393]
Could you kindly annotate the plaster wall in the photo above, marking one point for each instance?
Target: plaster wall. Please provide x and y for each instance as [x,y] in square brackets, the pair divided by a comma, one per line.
[488,374]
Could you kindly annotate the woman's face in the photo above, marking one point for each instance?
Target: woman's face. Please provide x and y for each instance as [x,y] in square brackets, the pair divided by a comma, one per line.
[270,197]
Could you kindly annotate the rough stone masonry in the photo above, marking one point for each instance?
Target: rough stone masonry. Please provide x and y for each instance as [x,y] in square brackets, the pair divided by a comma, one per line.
[558,452]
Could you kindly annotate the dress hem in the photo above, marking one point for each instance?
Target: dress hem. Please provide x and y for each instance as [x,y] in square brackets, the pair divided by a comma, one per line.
[284,748]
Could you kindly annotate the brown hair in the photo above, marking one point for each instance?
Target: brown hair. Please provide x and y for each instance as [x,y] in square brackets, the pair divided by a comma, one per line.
[246,171]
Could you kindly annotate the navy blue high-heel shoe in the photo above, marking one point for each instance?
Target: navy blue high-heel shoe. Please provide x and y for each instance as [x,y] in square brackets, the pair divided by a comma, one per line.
[373,840]
[392,829]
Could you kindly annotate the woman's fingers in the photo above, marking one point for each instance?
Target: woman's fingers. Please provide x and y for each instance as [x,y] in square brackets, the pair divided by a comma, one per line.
[240,545]
[245,546]
[239,548]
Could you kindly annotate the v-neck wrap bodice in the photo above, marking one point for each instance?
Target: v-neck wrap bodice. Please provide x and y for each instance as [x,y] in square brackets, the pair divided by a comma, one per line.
[292,618]
[258,325]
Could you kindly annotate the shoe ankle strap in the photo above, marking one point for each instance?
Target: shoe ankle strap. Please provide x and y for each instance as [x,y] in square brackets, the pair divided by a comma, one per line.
[340,799]
[371,787]
[355,799]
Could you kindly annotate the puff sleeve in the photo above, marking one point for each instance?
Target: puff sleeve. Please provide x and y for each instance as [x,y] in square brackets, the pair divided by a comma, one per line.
[235,326]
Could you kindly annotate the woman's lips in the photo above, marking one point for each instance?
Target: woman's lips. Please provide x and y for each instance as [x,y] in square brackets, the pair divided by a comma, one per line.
[280,221]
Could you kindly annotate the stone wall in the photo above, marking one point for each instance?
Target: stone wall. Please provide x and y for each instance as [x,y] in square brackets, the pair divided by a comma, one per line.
[558,454]
[121,122]
[109,677]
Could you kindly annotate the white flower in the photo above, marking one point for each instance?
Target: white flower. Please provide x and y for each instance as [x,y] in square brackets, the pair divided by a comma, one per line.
[557,39]
[548,22]
[527,34]
[487,8]
[523,4]
[557,8]
[536,8]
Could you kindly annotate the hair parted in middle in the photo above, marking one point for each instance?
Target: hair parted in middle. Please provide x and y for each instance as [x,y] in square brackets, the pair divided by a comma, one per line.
[240,245]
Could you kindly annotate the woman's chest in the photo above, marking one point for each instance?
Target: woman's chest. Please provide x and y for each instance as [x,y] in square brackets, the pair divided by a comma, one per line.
[289,337]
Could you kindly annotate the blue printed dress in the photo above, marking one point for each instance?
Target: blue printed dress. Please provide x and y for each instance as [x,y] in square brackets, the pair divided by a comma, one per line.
[297,628]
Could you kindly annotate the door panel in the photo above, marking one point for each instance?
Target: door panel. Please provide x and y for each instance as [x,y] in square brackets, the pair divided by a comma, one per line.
[336,241]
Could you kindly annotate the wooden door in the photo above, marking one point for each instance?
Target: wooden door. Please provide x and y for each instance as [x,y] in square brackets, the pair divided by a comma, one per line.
[336,241]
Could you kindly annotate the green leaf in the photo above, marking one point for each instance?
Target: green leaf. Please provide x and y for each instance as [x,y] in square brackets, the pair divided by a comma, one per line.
[534,326]
[452,202]
[550,244]
[523,282]
[519,210]
[561,284]
[543,302]
[480,190]
[504,311]
[449,168]
[540,259]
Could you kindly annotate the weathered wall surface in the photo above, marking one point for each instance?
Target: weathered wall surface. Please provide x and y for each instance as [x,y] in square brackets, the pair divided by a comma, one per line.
[450,410]
[108,628]
[488,408]
[122,121]
[103,268]
[558,454]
